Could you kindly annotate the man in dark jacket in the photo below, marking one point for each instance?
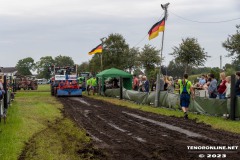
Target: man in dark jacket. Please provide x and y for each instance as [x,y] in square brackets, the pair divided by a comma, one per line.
[212,89]
[237,85]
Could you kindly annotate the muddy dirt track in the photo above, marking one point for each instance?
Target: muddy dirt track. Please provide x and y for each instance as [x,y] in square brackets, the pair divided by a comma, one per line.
[127,134]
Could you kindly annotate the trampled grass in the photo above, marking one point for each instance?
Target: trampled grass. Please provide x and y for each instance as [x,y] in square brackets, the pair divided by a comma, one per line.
[215,122]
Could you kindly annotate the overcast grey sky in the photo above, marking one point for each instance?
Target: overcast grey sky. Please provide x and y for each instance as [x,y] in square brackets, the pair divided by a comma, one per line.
[37,28]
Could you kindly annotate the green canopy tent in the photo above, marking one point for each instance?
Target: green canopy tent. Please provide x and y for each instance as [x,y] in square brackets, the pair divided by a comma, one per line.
[113,72]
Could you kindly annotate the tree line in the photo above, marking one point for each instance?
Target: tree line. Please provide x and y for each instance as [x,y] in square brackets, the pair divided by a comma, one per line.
[189,57]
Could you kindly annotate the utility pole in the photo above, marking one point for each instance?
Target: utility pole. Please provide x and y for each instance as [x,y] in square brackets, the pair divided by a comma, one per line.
[160,81]
[221,62]
[102,40]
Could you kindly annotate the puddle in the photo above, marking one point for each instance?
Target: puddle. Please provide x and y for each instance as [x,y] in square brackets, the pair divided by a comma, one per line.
[80,100]
[96,106]
[168,126]
[112,125]
[94,137]
[116,127]
[140,139]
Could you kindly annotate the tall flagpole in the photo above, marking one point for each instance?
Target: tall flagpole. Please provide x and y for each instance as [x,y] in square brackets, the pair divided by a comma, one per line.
[164,7]
[160,81]
[101,63]
[102,40]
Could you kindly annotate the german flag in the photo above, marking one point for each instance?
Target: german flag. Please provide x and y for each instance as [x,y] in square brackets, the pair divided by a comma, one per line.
[156,28]
[95,50]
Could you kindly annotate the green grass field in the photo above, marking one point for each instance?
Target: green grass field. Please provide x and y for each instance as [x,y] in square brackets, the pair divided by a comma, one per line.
[37,117]
[215,122]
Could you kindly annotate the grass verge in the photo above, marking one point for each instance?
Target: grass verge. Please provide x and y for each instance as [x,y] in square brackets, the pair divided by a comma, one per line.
[36,117]
[61,140]
[214,122]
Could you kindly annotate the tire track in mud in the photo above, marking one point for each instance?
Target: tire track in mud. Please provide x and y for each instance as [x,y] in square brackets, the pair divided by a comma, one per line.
[132,134]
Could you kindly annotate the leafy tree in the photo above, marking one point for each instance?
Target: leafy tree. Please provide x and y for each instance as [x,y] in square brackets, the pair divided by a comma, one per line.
[83,67]
[43,66]
[232,45]
[200,70]
[115,52]
[24,66]
[61,61]
[137,71]
[152,75]
[190,53]
[175,69]
[216,71]
[95,63]
[149,58]
[132,59]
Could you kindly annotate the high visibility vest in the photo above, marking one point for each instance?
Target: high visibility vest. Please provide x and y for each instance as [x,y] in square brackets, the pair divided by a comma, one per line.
[185,86]
[94,82]
[89,81]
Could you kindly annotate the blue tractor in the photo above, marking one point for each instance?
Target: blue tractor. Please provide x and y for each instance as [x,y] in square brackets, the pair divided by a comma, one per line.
[65,82]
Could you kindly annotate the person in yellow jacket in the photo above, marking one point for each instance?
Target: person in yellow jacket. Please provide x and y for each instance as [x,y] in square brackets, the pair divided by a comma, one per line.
[185,91]
[89,85]
[94,84]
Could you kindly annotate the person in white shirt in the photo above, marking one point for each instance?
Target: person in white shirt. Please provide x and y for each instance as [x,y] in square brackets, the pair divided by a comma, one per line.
[228,85]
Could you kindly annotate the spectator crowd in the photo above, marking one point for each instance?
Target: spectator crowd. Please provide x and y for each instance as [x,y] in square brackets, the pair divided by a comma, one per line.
[215,87]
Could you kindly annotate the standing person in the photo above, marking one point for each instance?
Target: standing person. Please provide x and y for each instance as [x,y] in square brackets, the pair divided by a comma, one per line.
[202,81]
[89,85]
[185,91]
[140,83]
[212,89]
[237,85]
[222,86]
[2,91]
[145,87]
[153,84]
[228,85]
[94,84]
[206,85]
[115,83]
[165,83]
[171,85]
[135,83]
[161,83]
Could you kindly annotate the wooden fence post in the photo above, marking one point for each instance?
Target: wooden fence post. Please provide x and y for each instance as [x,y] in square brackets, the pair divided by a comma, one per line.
[121,88]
